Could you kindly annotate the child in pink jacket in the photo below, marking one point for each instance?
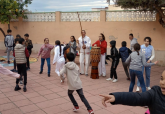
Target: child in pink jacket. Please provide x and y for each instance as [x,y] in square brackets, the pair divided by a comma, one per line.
[7,72]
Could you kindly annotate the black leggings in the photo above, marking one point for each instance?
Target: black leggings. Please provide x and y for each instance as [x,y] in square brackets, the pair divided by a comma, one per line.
[22,71]
[113,69]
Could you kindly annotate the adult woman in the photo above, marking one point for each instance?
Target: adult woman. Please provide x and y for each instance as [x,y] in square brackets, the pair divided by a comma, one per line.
[148,50]
[103,45]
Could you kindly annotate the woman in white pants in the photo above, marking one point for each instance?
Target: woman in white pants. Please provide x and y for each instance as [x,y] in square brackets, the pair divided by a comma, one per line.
[58,57]
[103,46]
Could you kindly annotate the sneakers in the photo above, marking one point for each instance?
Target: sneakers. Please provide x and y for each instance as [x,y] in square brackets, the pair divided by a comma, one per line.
[109,79]
[21,83]
[40,72]
[137,89]
[14,70]
[104,75]
[115,80]
[81,74]
[86,74]
[148,88]
[24,88]
[75,109]
[27,69]
[17,88]
[48,75]
[100,74]
[62,81]
[90,112]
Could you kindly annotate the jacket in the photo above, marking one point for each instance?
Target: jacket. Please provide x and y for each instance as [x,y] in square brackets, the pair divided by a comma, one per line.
[87,42]
[45,51]
[124,53]
[153,98]
[114,52]
[74,47]
[73,76]
[57,56]
[9,41]
[102,45]
[28,45]
[20,54]
[133,42]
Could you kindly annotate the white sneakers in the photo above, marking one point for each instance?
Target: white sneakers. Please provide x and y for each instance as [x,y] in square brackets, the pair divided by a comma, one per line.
[138,89]
[102,75]
[115,80]
[109,79]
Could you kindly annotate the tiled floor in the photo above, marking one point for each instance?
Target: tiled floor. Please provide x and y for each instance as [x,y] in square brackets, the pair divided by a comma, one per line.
[46,95]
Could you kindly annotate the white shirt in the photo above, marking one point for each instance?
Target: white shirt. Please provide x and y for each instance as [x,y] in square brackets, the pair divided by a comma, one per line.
[57,53]
[87,42]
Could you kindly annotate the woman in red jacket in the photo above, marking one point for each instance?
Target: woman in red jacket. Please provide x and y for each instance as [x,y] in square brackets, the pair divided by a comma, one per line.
[103,45]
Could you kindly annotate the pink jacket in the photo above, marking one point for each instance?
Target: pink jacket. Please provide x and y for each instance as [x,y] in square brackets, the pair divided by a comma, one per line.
[45,51]
[7,72]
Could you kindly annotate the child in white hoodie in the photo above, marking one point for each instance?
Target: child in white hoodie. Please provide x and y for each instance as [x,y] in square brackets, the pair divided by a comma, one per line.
[74,83]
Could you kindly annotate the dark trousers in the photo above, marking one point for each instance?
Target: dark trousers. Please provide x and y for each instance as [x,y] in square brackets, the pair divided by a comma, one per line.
[81,95]
[113,69]
[22,70]
[27,58]
[126,68]
[15,64]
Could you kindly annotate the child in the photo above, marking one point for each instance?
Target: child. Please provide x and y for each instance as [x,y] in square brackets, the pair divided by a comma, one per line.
[103,46]
[154,98]
[72,45]
[16,39]
[20,54]
[7,72]
[74,83]
[9,41]
[29,46]
[124,53]
[45,54]
[137,60]
[115,61]
[58,57]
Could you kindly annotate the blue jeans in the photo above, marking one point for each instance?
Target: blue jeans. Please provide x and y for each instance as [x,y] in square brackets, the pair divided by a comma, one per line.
[139,74]
[147,74]
[48,64]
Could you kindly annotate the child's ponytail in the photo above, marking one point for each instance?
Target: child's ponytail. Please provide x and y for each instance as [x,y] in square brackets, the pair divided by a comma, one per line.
[137,48]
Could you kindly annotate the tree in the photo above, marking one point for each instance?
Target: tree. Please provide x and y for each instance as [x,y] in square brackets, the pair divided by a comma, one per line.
[12,9]
[145,5]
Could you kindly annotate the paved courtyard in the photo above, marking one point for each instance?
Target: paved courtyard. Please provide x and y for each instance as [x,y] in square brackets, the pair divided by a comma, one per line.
[46,95]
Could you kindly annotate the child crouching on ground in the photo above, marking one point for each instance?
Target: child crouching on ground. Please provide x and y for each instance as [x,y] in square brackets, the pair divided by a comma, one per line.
[154,98]
[74,83]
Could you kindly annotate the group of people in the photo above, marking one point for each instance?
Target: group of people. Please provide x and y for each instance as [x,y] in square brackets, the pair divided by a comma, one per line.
[136,59]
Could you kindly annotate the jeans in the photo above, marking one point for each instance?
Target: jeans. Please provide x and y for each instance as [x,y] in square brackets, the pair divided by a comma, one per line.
[81,95]
[48,64]
[22,71]
[139,74]
[147,74]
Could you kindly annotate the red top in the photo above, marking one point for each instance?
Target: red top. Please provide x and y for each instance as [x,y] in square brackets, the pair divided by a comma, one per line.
[102,45]
[26,53]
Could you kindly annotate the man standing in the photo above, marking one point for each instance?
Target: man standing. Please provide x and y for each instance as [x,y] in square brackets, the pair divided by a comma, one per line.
[84,43]
[9,42]
[133,41]
[29,46]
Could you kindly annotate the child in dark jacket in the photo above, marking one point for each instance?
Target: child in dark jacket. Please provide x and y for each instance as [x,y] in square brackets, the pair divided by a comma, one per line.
[124,53]
[115,61]
[154,98]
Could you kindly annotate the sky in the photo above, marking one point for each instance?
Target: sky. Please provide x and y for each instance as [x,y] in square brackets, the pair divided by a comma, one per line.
[65,5]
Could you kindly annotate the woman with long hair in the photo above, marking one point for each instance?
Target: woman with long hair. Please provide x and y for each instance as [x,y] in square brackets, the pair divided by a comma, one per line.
[58,57]
[103,46]
[149,52]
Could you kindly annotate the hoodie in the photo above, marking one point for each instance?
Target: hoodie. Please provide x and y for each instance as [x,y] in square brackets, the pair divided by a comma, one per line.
[124,53]
[20,54]
[114,52]
[133,42]
[72,73]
